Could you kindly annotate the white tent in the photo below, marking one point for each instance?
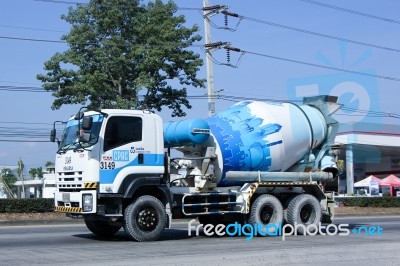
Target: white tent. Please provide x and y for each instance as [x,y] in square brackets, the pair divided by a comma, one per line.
[366,181]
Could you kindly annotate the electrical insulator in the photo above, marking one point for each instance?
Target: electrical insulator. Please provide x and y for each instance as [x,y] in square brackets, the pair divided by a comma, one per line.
[226,21]
[208,8]
[228,56]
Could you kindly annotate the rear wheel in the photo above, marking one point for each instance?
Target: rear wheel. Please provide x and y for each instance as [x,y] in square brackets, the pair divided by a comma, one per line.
[102,227]
[145,219]
[304,210]
[267,210]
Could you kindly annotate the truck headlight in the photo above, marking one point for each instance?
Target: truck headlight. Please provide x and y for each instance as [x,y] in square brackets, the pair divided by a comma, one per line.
[87,202]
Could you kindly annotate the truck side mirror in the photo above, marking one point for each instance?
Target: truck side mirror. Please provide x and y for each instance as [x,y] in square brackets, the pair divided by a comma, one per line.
[87,122]
[53,135]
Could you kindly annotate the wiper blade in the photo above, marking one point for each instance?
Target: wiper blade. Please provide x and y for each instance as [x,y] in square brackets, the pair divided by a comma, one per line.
[64,149]
[60,151]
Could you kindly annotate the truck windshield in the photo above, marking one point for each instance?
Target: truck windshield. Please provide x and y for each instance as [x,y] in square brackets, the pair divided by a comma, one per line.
[70,140]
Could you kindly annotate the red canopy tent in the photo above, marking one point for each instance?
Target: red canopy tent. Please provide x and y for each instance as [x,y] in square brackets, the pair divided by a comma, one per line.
[391,181]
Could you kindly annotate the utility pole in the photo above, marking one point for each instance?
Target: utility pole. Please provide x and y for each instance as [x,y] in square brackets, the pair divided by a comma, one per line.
[21,170]
[209,64]
[209,11]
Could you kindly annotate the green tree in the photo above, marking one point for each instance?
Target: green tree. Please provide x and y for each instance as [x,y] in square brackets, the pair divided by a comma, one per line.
[48,163]
[8,179]
[36,172]
[120,49]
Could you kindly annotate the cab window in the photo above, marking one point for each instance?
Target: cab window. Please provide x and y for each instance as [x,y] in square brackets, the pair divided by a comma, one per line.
[122,130]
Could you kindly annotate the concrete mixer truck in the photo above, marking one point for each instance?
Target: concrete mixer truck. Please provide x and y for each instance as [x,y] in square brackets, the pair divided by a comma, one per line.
[254,163]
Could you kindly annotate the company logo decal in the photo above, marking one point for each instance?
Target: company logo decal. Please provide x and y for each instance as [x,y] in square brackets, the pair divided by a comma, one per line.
[120,155]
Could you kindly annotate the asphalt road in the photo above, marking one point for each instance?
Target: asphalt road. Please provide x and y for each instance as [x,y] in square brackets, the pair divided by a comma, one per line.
[73,244]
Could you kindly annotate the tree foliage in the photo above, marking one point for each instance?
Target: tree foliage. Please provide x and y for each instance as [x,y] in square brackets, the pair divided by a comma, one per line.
[120,50]
[9,180]
[36,172]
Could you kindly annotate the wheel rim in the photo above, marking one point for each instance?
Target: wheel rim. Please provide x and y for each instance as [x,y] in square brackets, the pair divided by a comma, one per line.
[266,214]
[306,212]
[147,219]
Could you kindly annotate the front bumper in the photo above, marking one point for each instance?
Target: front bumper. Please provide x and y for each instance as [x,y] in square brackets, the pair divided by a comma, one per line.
[73,202]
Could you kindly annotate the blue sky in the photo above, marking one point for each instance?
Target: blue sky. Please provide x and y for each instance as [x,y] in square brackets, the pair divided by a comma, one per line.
[257,76]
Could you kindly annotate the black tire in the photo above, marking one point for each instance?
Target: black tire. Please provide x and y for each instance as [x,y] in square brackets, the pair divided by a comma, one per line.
[145,219]
[266,209]
[101,227]
[304,210]
[285,207]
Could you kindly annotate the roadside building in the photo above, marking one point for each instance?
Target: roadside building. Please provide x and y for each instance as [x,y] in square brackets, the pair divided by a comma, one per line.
[33,188]
[368,149]
[38,188]
[49,182]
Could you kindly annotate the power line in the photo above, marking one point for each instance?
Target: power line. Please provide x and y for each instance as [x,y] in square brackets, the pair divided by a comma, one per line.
[33,40]
[22,89]
[322,66]
[26,123]
[28,28]
[170,45]
[320,34]
[230,14]
[369,113]
[189,8]
[22,140]
[17,82]
[239,98]
[15,88]
[259,21]
[362,115]
[59,2]
[39,134]
[351,11]
[76,3]
[372,113]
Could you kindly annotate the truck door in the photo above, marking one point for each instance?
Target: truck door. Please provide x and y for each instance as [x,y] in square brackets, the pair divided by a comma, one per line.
[122,136]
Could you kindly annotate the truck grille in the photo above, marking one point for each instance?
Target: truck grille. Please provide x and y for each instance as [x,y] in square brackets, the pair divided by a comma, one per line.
[70,181]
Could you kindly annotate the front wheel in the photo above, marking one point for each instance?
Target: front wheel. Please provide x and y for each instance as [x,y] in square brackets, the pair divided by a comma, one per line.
[101,227]
[145,219]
